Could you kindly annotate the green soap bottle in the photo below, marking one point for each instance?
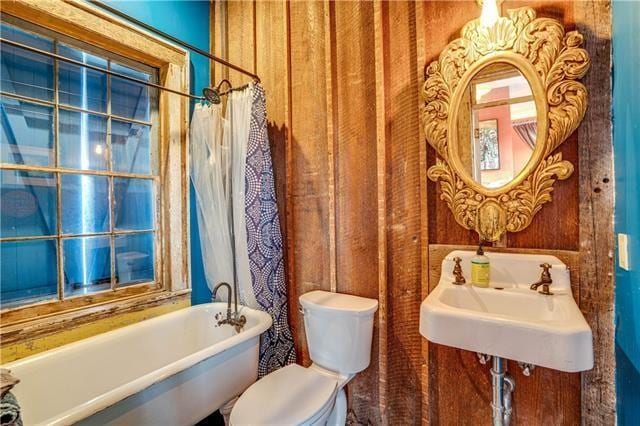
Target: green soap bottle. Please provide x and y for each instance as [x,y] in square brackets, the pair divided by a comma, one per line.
[480,269]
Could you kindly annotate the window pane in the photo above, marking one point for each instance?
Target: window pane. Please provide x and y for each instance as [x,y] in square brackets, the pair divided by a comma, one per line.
[79,86]
[134,206]
[87,265]
[129,99]
[85,204]
[27,133]
[134,258]
[498,89]
[82,140]
[28,204]
[29,272]
[26,73]
[131,146]
[16,34]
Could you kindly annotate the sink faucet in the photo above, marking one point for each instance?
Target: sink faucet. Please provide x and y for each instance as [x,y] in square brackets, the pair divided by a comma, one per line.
[545,280]
[232,318]
[457,272]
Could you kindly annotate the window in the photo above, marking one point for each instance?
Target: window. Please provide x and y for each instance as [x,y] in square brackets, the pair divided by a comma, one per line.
[79,171]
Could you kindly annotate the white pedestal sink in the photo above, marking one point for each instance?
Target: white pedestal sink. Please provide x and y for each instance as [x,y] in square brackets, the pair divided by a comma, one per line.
[510,320]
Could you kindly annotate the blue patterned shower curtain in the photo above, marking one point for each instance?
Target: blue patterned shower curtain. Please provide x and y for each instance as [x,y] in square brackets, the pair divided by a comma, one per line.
[264,241]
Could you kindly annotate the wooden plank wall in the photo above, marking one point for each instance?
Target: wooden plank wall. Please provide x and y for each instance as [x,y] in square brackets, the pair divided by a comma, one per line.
[343,82]
[570,223]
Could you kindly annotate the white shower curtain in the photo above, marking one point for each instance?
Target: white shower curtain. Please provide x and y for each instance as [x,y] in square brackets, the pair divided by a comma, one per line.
[210,166]
[240,120]
[218,158]
[245,179]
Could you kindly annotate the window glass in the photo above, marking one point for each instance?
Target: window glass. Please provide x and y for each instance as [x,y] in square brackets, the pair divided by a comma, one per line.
[27,133]
[78,174]
[87,265]
[28,204]
[82,138]
[26,73]
[85,204]
[130,99]
[79,86]
[29,272]
[134,258]
[133,204]
[131,145]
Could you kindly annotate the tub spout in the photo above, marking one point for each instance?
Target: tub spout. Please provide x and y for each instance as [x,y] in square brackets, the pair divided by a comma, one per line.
[238,321]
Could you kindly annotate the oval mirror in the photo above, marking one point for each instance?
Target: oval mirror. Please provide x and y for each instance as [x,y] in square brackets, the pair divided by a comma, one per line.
[496,125]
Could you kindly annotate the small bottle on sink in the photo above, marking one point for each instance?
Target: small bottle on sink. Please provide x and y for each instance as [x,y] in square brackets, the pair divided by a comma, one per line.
[480,268]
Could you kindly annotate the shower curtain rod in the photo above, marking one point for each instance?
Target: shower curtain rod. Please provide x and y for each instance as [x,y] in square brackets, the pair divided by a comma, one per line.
[173,39]
[106,71]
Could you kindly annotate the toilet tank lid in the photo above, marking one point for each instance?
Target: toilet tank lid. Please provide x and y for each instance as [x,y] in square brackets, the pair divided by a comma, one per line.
[338,303]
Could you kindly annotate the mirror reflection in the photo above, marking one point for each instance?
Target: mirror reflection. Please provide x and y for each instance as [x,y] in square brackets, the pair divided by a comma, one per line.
[497,125]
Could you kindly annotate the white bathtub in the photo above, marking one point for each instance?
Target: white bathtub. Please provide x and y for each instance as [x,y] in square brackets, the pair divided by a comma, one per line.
[174,369]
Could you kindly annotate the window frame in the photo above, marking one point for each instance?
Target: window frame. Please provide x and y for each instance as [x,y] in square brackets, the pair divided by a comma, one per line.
[91,26]
[58,170]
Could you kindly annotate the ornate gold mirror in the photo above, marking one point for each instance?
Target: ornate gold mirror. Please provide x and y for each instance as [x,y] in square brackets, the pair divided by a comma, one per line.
[497,103]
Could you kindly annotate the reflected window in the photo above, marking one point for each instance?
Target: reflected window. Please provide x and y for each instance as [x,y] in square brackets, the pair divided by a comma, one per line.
[503,119]
[78,170]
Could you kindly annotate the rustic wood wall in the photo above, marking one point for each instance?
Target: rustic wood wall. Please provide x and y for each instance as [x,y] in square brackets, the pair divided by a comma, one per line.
[343,82]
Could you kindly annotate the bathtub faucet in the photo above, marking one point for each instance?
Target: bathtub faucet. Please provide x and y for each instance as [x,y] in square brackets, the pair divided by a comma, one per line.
[232,318]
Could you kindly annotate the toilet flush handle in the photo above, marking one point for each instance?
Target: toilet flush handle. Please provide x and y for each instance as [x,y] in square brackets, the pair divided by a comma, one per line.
[300,309]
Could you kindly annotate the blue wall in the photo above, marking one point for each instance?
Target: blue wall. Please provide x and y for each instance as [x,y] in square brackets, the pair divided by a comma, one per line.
[626,140]
[189,21]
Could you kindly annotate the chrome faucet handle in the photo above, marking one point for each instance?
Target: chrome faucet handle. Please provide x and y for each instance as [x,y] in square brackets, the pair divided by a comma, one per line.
[457,272]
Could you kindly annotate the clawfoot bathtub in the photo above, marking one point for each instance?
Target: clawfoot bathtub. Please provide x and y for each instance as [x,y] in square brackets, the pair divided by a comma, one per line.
[174,369]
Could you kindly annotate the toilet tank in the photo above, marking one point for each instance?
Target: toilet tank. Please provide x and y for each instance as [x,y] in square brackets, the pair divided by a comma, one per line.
[339,329]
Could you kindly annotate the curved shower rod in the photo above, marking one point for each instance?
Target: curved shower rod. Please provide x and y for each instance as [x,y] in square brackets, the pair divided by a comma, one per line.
[174,39]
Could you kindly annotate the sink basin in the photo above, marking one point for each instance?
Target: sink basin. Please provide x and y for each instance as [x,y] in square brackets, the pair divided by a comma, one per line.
[508,319]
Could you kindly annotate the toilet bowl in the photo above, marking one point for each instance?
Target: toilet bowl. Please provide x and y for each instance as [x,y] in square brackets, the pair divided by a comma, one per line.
[339,329]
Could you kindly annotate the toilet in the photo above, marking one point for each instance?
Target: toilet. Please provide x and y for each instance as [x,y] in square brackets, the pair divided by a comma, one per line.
[339,328]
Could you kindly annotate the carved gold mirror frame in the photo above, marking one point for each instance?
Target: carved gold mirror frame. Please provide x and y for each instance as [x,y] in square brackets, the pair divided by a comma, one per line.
[552,62]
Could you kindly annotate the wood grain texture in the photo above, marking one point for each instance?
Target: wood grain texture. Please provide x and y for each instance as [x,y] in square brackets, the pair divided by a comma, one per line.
[402,225]
[241,39]
[36,338]
[272,65]
[332,136]
[48,325]
[422,35]
[596,215]
[556,226]
[449,18]
[218,39]
[310,192]
[356,210]
[362,218]
[382,140]
[569,224]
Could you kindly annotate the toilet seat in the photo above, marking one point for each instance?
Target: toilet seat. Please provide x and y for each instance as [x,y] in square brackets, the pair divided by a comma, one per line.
[293,395]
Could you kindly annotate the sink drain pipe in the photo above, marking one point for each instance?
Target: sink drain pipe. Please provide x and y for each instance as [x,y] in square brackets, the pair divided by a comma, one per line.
[503,385]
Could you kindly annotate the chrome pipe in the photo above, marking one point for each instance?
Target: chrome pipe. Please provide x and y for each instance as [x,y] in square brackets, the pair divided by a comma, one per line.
[497,381]
[509,387]
[503,386]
